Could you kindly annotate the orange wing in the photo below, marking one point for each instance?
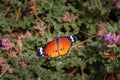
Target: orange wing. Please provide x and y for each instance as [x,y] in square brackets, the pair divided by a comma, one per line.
[51,49]
[64,45]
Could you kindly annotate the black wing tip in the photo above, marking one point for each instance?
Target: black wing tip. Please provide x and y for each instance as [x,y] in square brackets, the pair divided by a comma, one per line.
[38,53]
[74,38]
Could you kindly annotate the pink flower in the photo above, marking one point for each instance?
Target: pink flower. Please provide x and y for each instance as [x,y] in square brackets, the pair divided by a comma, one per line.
[108,36]
[115,38]
[28,34]
[60,62]
[100,22]
[5,42]
[118,4]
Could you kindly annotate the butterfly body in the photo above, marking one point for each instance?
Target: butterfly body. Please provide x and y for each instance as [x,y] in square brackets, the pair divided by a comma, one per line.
[58,47]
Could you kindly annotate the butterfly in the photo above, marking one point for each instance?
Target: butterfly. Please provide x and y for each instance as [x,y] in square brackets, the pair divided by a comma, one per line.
[60,46]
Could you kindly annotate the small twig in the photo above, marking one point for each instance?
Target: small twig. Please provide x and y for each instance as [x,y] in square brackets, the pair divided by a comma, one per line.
[71,74]
[85,33]
[105,76]
[48,30]
[41,21]
[74,71]
[18,14]
[84,41]
[6,11]
[3,73]
[43,60]
[82,74]
[37,16]
[112,77]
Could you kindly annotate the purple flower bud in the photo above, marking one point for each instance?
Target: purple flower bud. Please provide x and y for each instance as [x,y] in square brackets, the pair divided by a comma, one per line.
[108,37]
[5,43]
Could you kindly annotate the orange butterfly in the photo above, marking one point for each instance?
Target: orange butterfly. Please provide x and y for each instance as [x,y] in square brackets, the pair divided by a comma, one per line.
[58,46]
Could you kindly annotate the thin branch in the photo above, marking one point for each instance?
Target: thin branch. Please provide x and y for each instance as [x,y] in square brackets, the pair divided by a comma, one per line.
[105,77]
[18,13]
[84,41]
[85,33]
[8,9]
[3,73]
[37,16]
[43,60]
[82,74]
[71,73]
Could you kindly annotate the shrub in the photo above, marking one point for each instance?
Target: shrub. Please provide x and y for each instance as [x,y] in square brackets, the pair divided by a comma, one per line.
[27,25]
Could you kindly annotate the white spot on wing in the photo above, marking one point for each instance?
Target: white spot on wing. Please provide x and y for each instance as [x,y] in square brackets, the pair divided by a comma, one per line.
[72,39]
[41,51]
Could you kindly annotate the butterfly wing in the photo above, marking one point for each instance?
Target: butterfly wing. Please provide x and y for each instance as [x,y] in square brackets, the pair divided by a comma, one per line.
[64,45]
[51,49]
[59,46]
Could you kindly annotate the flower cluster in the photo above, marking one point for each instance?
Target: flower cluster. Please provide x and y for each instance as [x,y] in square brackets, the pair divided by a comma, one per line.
[118,4]
[5,43]
[113,38]
[110,51]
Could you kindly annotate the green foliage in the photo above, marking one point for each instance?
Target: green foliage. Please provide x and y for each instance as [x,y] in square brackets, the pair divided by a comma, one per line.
[47,19]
